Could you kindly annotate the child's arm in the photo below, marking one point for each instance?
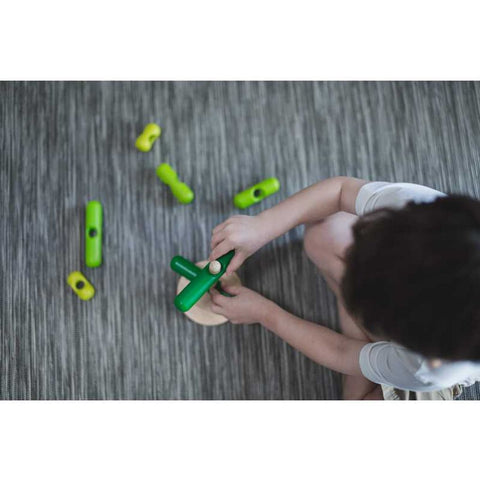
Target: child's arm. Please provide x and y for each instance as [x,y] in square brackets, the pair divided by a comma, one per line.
[246,234]
[321,344]
[313,204]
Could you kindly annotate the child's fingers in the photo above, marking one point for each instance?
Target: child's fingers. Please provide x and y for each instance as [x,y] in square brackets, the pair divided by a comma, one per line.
[221,249]
[214,295]
[216,239]
[232,289]
[219,227]
[217,298]
[217,309]
[236,261]
[214,298]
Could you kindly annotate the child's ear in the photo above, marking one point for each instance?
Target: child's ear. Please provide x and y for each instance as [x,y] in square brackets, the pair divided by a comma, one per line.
[435,362]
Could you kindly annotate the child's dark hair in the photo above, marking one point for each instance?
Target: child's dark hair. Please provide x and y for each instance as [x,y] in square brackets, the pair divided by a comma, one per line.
[413,276]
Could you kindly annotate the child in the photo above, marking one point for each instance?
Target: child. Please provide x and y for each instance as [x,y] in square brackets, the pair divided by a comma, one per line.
[404,263]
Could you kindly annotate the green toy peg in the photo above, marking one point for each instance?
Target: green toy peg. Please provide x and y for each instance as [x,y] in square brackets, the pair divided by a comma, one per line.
[93,234]
[190,271]
[255,194]
[184,267]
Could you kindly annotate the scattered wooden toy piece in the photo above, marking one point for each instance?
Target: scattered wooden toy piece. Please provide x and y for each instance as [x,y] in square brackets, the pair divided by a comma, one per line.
[256,193]
[180,190]
[147,138]
[93,234]
[80,285]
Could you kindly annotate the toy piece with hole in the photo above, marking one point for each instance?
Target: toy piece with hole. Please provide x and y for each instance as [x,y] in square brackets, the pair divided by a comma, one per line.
[203,281]
[93,234]
[255,194]
[81,286]
[180,190]
[147,138]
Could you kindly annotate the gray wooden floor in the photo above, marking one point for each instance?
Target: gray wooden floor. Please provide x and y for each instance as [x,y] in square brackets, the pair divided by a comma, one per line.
[63,144]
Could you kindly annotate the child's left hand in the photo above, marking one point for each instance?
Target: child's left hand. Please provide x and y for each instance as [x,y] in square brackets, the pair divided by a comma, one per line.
[246,306]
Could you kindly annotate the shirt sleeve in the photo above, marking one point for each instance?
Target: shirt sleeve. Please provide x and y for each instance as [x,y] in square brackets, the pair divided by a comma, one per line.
[375,195]
[390,364]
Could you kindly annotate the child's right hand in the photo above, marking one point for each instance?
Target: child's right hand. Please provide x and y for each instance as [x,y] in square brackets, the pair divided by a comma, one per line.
[245,306]
[241,233]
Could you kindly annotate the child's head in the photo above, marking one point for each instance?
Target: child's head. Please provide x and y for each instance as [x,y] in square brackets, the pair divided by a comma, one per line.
[413,276]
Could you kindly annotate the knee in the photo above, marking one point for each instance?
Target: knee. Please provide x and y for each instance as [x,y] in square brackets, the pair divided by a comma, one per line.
[316,242]
[309,240]
[329,238]
[359,388]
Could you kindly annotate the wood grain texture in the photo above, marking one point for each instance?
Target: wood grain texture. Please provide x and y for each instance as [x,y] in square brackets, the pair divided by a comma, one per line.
[63,144]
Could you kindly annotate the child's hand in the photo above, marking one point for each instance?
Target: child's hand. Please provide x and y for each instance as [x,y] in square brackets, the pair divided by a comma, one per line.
[241,233]
[246,306]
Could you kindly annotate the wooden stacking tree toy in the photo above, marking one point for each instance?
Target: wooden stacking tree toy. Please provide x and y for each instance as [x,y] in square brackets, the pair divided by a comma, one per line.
[201,279]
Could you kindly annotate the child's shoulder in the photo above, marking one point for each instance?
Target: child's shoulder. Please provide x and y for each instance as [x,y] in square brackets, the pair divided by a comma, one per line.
[374,195]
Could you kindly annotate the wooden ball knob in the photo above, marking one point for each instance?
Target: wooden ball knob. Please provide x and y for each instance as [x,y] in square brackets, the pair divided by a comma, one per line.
[214,267]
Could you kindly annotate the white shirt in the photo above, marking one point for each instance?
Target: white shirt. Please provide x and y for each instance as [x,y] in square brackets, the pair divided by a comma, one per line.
[388,363]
